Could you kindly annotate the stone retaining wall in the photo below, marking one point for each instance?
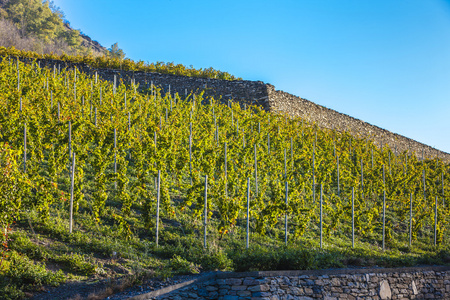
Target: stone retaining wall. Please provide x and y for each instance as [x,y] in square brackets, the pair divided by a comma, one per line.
[282,102]
[401,283]
[265,95]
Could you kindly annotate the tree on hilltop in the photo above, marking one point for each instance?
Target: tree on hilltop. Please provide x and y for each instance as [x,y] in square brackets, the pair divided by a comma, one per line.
[116,52]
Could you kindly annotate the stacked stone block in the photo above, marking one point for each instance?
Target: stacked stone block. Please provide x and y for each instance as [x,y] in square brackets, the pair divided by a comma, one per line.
[376,284]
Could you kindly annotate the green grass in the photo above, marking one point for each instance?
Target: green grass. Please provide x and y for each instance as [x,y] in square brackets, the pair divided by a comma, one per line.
[50,255]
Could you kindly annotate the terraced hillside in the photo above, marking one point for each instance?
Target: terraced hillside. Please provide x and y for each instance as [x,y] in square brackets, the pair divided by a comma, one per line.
[102,179]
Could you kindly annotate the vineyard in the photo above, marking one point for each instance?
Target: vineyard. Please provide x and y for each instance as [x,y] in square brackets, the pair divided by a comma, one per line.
[169,176]
[122,64]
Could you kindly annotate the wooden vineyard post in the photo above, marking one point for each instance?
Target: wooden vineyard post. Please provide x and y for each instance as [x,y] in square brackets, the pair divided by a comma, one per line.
[286,214]
[214,118]
[18,77]
[362,179]
[129,129]
[384,218]
[256,174]
[75,91]
[389,161]
[292,155]
[115,156]
[25,147]
[70,139]
[372,156]
[337,167]
[353,217]
[321,221]
[225,168]
[443,195]
[190,151]
[248,213]
[313,175]
[334,148]
[384,210]
[72,181]
[217,134]
[205,211]
[158,196]
[435,220]
[114,86]
[232,119]
[410,219]
[424,189]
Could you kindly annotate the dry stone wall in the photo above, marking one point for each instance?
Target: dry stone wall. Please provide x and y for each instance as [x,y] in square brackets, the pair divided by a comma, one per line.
[283,102]
[265,95]
[376,284]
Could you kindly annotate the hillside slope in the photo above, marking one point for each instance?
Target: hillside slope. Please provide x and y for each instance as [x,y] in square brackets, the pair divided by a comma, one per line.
[35,25]
[312,198]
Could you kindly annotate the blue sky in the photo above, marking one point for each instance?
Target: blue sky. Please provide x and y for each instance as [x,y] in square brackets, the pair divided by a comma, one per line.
[385,62]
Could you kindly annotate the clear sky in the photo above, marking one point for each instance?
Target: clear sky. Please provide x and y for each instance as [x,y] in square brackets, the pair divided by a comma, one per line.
[386,62]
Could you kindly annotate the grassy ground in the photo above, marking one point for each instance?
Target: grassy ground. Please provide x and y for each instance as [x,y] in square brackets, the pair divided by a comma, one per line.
[43,253]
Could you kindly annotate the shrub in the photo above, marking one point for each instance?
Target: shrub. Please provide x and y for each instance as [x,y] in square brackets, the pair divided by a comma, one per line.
[24,272]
